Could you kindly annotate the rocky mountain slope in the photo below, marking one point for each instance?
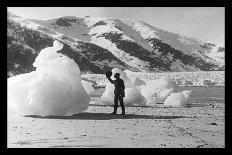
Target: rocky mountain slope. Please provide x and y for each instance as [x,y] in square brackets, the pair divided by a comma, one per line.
[98,44]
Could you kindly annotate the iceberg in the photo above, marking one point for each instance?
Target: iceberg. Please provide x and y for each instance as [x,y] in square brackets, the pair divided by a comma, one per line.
[179,99]
[132,90]
[54,88]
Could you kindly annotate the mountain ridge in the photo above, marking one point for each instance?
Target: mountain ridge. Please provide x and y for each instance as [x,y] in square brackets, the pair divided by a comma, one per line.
[126,44]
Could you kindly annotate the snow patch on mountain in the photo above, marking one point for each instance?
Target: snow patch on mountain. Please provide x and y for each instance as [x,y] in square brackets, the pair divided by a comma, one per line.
[76,30]
[184,40]
[217,55]
[24,22]
[99,30]
[123,56]
[145,31]
[90,20]
[131,33]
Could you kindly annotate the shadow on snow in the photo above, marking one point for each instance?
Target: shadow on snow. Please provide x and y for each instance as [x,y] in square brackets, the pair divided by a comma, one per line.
[105,116]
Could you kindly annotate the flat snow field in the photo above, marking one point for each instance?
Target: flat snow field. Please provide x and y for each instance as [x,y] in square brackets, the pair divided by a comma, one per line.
[201,124]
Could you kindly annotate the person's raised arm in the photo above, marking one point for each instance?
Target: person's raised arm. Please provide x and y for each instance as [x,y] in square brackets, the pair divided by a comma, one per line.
[111,81]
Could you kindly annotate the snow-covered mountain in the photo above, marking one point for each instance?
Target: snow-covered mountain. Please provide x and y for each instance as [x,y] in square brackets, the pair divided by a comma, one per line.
[98,44]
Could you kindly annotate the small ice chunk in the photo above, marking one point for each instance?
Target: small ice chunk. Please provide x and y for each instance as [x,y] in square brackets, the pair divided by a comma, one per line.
[179,99]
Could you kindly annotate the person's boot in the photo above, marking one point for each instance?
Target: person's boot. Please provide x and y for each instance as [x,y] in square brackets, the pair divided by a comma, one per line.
[123,111]
[113,113]
[115,110]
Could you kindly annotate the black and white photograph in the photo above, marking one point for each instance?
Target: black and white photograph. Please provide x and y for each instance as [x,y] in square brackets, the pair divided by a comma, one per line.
[115,77]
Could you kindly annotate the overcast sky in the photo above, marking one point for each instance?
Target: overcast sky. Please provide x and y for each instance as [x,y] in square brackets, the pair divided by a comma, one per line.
[204,23]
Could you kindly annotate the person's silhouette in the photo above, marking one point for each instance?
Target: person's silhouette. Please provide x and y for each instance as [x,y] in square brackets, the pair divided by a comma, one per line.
[119,91]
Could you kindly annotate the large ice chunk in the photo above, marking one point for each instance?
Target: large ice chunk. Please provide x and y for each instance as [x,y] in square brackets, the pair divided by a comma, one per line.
[88,86]
[132,90]
[156,91]
[54,88]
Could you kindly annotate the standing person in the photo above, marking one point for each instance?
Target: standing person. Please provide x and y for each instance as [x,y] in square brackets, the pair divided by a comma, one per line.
[119,91]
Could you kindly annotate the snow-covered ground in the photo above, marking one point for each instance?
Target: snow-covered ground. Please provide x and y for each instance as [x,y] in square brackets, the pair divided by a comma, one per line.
[200,126]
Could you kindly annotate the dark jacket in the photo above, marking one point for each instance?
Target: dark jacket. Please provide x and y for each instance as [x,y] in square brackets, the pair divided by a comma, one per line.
[119,86]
